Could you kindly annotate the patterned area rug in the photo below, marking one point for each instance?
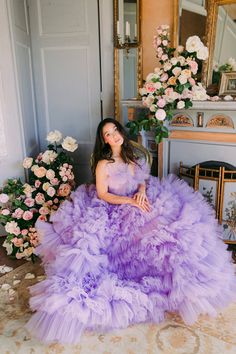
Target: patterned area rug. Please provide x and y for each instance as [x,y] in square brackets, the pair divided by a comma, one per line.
[207,336]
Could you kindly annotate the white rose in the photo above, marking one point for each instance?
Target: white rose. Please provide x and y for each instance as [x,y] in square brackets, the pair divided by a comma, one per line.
[11,226]
[180,104]
[149,101]
[232,63]
[50,174]
[173,61]
[69,144]
[167,66]
[176,71]
[4,198]
[157,85]
[182,79]
[202,53]
[8,246]
[27,163]
[181,60]
[199,93]
[54,136]
[160,114]
[193,44]
[49,156]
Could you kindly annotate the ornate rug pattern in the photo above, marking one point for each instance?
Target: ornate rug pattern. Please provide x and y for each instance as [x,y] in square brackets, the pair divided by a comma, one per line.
[207,336]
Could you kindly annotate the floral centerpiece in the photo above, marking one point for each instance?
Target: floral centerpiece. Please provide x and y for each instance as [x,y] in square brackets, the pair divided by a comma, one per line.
[172,85]
[51,180]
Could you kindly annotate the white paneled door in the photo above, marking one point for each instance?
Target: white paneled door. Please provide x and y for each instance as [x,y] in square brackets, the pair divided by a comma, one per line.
[65,50]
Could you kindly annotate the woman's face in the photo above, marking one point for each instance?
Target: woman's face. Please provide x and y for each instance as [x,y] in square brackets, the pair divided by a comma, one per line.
[111,135]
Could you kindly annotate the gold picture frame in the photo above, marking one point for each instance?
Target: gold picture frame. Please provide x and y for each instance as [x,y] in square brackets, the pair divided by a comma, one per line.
[228,84]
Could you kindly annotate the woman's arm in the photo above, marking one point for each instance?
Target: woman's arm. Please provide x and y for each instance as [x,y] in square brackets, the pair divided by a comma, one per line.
[102,189]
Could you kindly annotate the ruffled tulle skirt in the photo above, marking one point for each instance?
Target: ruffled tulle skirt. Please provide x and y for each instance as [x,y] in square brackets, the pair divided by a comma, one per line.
[109,266]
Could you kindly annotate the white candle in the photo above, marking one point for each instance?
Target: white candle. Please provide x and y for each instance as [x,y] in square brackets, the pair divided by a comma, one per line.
[127,29]
[135,30]
[118,27]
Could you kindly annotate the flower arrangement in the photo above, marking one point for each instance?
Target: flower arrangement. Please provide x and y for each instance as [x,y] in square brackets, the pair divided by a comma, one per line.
[51,180]
[173,85]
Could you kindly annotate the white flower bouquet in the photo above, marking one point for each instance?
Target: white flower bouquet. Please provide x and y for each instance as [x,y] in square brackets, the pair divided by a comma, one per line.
[51,180]
[173,85]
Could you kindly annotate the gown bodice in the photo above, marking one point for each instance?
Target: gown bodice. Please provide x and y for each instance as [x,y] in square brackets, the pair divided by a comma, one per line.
[123,179]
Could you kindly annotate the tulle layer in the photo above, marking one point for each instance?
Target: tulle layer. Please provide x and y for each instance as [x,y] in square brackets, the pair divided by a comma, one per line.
[110,266]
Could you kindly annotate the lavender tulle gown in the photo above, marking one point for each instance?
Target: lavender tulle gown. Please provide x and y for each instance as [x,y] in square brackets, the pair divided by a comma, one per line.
[109,266]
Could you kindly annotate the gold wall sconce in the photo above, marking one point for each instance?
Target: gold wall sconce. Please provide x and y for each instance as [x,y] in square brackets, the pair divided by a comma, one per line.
[126,24]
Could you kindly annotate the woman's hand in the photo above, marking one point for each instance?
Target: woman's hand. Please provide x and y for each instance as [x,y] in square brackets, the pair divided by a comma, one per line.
[141,201]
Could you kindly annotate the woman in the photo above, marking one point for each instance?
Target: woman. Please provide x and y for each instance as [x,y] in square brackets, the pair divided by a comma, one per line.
[128,250]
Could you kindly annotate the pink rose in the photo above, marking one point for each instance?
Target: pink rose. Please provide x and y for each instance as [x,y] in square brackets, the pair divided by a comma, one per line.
[150,87]
[29,202]
[64,190]
[5,212]
[164,57]
[164,77]
[191,81]
[27,215]
[165,42]
[43,211]
[42,218]
[65,165]
[50,174]
[18,213]
[40,172]
[18,242]
[64,178]
[193,66]
[19,255]
[24,232]
[39,198]
[54,181]
[37,183]
[55,200]
[4,198]
[160,114]
[51,191]
[161,103]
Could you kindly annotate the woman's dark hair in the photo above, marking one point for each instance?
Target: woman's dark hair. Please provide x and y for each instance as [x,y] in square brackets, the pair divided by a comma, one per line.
[102,150]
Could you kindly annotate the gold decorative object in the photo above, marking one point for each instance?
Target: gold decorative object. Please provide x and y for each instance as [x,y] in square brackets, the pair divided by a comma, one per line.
[228,83]
[220,121]
[182,120]
[122,29]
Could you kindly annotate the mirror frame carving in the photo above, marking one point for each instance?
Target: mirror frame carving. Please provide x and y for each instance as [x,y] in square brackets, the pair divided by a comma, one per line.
[211,22]
[116,58]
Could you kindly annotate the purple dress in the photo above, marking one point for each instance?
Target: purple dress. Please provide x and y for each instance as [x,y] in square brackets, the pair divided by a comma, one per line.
[109,266]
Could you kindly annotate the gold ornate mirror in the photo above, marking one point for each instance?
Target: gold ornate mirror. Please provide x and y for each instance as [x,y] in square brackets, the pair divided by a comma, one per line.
[127,52]
[220,35]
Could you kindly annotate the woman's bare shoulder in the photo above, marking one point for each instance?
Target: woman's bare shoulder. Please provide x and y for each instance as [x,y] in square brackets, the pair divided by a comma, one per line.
[102,164]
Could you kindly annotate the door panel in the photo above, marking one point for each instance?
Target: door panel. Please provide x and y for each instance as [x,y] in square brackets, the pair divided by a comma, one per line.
[65,47]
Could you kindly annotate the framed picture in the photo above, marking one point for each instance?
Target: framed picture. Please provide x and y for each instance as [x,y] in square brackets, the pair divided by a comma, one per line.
[228,83]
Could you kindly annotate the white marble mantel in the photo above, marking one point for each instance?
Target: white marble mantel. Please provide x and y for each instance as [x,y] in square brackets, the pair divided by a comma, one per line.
[197,105]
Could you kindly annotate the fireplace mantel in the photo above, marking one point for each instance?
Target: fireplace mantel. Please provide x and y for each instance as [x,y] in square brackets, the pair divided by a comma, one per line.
[197,105]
